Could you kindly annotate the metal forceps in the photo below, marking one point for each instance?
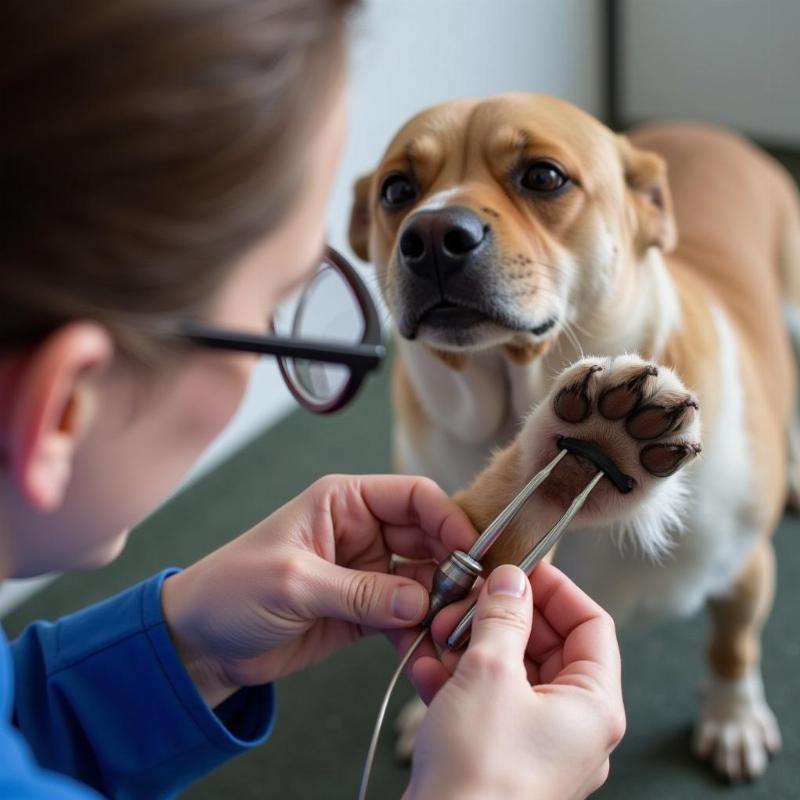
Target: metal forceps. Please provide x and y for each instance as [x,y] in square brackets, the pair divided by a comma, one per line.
[456,575]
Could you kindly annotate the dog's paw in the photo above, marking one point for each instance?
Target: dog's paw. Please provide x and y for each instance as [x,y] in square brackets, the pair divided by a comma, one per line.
[636,413]
[407,726]
[737,730]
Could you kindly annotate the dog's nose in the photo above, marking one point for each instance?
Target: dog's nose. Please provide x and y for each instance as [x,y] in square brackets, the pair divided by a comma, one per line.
[440,242]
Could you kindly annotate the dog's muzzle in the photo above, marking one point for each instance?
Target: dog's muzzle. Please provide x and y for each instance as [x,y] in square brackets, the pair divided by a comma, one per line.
[448,279]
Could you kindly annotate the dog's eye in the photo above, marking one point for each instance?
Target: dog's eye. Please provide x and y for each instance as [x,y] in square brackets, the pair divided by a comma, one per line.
[397,191]
[544,178]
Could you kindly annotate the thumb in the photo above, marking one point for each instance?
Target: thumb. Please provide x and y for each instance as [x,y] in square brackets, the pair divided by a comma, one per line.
[372,599]
[503,614]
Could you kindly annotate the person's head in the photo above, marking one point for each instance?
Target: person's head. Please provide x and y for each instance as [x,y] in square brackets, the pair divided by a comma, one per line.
[159,159]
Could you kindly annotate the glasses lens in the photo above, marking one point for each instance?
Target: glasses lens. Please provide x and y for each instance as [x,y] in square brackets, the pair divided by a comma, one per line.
[325,311]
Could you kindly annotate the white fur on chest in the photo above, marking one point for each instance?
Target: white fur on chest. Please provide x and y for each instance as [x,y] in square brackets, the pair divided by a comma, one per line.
[474,411]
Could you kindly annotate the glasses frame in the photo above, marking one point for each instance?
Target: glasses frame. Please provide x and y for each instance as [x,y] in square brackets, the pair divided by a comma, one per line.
[360,358]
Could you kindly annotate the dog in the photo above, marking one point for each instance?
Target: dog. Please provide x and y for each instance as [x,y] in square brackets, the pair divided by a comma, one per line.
[513,235]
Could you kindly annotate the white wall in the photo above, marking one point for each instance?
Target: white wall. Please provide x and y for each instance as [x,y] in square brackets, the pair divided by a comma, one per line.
[733,62]
[409,54]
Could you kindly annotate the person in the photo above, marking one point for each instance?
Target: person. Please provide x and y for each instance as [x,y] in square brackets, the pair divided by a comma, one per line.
[167,162]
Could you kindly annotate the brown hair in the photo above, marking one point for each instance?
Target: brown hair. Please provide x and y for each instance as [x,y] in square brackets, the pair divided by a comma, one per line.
[144,146]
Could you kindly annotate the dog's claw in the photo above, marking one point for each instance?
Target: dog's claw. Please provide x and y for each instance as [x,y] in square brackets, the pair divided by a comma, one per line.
[662,460]
[572,403]
[654,421]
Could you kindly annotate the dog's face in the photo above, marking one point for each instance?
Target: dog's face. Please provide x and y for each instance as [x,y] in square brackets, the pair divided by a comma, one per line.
[501,222]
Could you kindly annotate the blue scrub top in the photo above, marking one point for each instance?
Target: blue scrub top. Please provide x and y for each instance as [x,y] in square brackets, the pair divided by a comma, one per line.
[99,702]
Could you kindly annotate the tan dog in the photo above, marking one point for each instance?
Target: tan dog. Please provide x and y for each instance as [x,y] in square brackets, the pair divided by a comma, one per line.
[513,235]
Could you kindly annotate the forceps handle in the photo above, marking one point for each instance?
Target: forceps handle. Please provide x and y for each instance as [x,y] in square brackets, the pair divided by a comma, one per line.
[461,632]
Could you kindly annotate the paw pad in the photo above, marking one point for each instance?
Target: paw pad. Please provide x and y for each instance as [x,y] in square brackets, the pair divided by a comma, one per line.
[622,403]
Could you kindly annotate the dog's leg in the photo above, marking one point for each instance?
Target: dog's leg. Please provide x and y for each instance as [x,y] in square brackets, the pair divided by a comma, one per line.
[789,265]
[793,467]
[792,317]
[737,730]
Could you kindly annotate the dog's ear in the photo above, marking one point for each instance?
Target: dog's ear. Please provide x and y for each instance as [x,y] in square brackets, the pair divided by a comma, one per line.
[646,179]
[358,232]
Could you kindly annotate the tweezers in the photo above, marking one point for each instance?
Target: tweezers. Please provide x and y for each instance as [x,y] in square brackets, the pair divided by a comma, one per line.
[468,564]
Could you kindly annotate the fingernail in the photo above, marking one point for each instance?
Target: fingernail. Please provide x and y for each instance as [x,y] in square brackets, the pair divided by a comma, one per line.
[408,602]
[508,580]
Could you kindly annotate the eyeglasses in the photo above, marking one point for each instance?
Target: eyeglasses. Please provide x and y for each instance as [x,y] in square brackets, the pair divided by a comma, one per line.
[326,340]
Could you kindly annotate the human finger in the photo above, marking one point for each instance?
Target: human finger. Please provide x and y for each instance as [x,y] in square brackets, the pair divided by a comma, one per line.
[403,638]
[560,601]
[413,541]
[543,645]
[428,675]
[503,615]
[590,655]
[416,571]
[370,599]
[444,623]
[405,500]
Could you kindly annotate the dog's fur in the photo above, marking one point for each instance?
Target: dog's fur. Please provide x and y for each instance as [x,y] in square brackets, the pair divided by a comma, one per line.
[679,243]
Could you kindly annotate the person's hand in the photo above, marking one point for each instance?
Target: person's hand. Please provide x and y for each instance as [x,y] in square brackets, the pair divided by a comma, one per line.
[520,716]
[310,579]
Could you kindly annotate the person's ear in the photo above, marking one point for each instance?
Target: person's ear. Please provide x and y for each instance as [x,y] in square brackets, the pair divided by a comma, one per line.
[360,217]
[650,198]
[48,408]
